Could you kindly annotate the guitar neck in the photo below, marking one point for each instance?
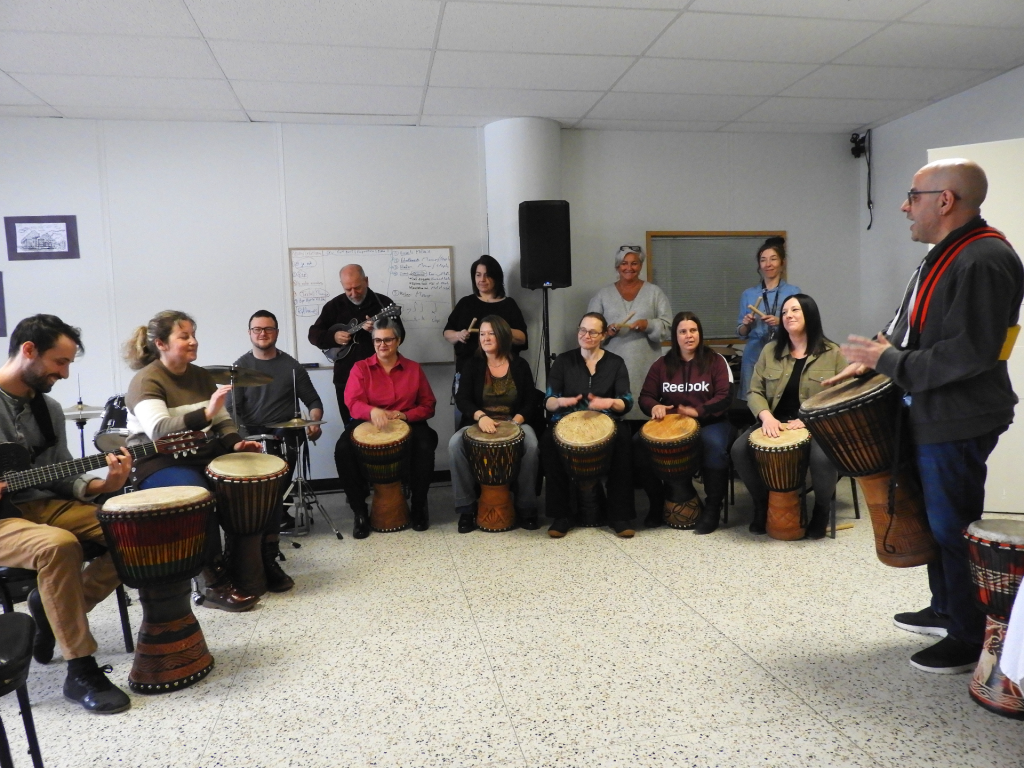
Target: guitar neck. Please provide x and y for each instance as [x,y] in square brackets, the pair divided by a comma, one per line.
[30,478]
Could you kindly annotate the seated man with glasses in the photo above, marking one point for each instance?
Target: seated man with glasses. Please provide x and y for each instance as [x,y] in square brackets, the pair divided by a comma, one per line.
[258,407]
[380,388]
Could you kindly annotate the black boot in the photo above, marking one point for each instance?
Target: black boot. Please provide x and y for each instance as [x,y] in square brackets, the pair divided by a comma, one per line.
[655,507]
[277,579]
[42,647]
[715,483]
[420,518]
[527,519]
[757,525]
[819,521]
[361,526]
[467,518]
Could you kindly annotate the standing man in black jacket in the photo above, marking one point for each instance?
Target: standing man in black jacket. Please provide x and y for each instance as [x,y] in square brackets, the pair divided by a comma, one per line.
[944,349]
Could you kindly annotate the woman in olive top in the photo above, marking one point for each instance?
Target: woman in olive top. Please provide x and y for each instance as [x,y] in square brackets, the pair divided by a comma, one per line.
[495,386]
[589,378]
[791,369]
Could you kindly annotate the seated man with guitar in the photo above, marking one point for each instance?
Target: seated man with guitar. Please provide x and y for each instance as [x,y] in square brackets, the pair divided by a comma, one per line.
[41,527]
[343,329]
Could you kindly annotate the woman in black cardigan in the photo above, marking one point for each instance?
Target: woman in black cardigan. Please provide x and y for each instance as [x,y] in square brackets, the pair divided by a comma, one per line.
[495,386]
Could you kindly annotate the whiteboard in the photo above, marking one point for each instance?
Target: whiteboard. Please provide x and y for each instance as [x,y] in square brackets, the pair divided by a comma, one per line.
[418,279]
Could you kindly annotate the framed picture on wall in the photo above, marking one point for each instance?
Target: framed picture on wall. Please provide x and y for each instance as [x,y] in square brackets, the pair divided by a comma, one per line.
[41,237]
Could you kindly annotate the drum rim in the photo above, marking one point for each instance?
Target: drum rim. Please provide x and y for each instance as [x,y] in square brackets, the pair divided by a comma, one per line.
[212,472]
[582,446]
[403,434]
[885,389]
[493,438]
[980,536]
[779,448]
[671,440]
[181,505]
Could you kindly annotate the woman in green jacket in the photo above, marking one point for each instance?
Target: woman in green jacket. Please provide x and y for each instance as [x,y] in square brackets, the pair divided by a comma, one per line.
[790,369]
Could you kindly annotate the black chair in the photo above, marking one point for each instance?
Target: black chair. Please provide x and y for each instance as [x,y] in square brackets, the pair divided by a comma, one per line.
[16,583]
[17,631]
[832,504]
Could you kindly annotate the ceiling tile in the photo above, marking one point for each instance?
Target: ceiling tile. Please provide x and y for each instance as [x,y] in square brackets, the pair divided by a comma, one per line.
[738,78]
[935,45]
[12,93]
[100,17]
[547,29]
[847,81]
[653,5]
[783,109]
[648,125]
[369,23]
[116,56]
[40,110]
[649,106]
[153,93]
[864,10]
[327,98]
[307,117]
[506,102]
[458,121]
[739,127]
[136,113]
[760,38]
[990,13]
[288,62]
[527,70]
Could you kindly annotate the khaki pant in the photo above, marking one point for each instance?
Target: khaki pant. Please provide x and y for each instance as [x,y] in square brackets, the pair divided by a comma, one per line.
[45,539]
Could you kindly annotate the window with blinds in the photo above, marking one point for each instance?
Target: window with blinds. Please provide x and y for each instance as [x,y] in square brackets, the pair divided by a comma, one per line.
[705,273]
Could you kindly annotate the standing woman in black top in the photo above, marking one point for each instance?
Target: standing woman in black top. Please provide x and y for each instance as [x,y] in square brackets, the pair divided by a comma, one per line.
[488,298]
[589,378]
[495,386]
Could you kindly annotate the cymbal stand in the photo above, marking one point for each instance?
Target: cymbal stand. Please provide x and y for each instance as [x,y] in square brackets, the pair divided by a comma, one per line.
[304,500]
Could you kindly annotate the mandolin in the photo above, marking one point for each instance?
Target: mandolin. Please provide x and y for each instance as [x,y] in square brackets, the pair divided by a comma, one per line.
[334,354]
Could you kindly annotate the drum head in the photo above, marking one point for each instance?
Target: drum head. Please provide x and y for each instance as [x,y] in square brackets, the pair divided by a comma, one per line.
[506,432]
[393,432]
[111,440]
[172,497]
[671,429]
[996,529]
[849,391]
[246,465]
[788,438]
[584,428]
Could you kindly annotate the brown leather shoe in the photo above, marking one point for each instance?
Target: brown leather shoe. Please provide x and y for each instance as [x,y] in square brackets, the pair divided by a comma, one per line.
[277,579]
[217,591]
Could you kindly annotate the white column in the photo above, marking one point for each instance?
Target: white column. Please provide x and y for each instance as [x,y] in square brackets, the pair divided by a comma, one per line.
[523,161]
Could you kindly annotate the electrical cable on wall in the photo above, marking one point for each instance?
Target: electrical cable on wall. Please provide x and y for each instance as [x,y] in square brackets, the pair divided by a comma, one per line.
[862,148]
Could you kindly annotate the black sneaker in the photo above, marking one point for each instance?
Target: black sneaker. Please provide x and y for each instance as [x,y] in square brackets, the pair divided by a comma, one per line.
[949,656]
[94,692]
[467,522]
[923,622]
[42,647]
[559,528]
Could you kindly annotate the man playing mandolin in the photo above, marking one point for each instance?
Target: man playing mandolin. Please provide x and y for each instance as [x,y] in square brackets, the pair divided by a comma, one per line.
[41,528]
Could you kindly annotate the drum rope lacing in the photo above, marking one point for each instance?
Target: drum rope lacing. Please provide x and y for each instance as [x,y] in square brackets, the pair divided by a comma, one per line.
[891,509]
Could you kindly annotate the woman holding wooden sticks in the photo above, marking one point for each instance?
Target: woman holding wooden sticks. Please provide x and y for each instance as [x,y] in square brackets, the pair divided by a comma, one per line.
[760,306]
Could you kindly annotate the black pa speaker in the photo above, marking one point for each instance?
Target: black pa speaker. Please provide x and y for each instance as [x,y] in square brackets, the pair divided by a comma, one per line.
[544,255]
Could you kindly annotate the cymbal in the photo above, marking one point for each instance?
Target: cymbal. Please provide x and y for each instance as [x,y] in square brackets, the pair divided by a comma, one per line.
[295,424]
[82,412]
[244,377]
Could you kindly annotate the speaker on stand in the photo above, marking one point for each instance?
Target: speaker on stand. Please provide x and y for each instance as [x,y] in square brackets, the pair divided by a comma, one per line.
[545,258]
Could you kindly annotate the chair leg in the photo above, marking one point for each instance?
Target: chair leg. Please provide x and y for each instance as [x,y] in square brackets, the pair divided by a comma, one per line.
[5,749]
[30,726]
[856,504]
[126,623]
[832,513]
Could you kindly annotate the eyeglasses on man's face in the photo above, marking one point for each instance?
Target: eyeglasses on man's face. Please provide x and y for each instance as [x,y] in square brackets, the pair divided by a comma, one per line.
[914,194]
[262,331]
[383,342]
[589,332]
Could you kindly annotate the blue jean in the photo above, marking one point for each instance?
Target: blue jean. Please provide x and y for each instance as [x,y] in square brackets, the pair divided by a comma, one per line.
[953,481]
[179,475]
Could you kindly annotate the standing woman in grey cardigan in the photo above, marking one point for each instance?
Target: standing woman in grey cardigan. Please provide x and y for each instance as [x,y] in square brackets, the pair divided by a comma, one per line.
[638,341]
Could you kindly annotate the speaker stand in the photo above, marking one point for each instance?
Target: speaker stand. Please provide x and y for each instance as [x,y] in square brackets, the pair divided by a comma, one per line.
[548,357]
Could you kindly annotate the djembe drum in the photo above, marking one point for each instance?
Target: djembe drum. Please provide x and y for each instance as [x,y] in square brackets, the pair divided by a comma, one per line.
[247,487]
[495,459]
[157,538]
[585,440]
[782,463]
[383,455]
[673,444]
[853,423]
[996,551]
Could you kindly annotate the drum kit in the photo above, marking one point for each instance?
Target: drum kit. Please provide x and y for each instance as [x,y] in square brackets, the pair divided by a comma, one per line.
[673,444]
[585,440]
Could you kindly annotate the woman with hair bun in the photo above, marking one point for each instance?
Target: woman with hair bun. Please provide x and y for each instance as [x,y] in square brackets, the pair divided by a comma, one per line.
[768,297]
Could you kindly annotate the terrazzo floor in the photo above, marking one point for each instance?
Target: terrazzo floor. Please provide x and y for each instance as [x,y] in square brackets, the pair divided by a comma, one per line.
[515,650]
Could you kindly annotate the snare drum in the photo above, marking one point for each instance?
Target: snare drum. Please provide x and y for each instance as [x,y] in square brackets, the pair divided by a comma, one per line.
[384,456]
[272,445]
[585,440]
[247,487]
[853,423]
[113,433]
[157,538]
[673,444]
[782,464]
[996,551]
[495,459]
